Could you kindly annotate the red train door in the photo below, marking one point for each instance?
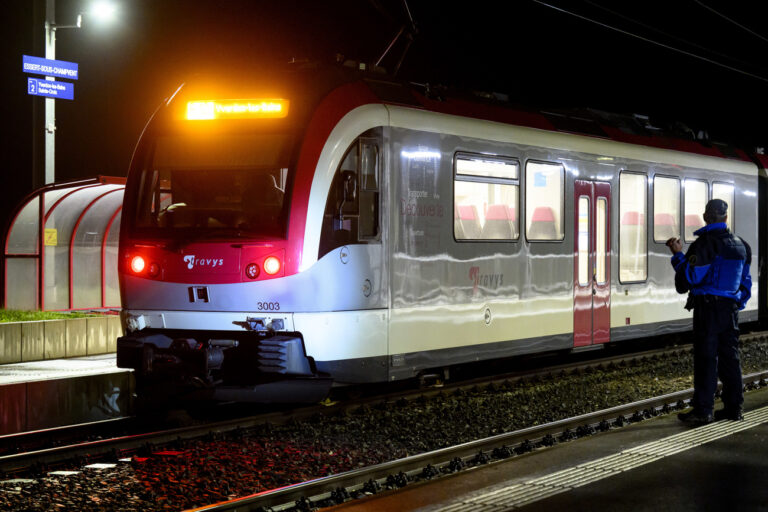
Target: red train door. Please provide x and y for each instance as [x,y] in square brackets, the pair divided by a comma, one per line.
[591,263]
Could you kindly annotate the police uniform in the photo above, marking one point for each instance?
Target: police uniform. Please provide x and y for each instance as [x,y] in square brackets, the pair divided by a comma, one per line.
[715,272]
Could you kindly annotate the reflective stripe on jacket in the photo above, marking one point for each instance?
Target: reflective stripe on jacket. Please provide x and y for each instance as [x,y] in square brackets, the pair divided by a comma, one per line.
[717,263]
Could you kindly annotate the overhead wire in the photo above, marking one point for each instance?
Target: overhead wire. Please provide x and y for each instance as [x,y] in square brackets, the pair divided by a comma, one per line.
[649,40]
[701,4]
[666,34]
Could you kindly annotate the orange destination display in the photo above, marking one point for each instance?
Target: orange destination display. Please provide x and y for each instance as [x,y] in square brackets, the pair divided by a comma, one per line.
[236,109]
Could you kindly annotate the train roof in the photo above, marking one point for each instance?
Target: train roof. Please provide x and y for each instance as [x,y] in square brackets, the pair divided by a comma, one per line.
[627,128]
[312,81]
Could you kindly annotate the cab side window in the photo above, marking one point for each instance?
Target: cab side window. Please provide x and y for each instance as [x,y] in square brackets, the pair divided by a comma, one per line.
[352,209]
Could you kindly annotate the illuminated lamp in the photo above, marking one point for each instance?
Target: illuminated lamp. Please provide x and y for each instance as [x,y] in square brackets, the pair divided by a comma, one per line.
[252,271]
[138,264]
[272,265]
[236,109]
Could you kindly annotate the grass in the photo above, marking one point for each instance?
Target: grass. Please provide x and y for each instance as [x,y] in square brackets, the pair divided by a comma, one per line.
[11,315]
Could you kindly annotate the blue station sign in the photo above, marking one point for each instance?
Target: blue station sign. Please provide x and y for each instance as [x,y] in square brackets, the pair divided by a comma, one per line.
[49,67]
[50,89]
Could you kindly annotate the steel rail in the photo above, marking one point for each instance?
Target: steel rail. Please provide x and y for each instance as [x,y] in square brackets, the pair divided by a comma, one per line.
[524,440]
[128,444]
[17,462]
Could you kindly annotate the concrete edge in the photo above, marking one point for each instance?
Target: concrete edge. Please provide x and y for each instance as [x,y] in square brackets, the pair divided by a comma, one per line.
[42,340]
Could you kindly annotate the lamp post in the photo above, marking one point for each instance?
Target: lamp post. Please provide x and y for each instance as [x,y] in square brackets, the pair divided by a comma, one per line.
[103,11]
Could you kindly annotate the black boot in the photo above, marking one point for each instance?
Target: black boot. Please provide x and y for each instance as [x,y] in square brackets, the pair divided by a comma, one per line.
[729,413]
[695,418]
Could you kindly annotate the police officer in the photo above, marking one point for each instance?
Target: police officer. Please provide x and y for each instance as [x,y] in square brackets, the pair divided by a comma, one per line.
[715,272]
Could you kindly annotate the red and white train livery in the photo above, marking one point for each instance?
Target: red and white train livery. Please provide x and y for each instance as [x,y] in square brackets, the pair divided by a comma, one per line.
[282,233]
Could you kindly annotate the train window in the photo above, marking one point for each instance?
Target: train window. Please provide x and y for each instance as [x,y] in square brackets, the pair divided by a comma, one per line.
[695,202]
[724,191]
[214,185]
[544,196]
[583,241]
[486,192]
[601,240]
[352,209]
[633,240]
[666,208]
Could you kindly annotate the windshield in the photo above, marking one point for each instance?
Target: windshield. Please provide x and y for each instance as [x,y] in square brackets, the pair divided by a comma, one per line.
[215,185]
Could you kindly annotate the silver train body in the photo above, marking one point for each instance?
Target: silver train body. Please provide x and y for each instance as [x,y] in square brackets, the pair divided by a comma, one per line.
[414,287]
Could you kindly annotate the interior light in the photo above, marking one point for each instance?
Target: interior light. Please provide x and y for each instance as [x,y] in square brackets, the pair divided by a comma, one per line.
[237,109]
[138,264]
[272,265]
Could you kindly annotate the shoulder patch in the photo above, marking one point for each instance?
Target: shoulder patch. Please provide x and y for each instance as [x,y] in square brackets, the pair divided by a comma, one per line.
[692,259]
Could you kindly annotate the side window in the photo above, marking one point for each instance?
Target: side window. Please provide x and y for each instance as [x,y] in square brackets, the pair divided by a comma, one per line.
[369,189]
[695,202]
[666,208]
[485,198]
[633,238]
[544,199]
[724,191]
[352,209]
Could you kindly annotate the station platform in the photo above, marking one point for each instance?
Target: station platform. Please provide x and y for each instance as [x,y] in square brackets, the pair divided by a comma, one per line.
[46,394]
[658,464]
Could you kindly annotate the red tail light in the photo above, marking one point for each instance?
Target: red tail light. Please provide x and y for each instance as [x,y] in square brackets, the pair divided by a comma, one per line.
[272,265]
[138,264]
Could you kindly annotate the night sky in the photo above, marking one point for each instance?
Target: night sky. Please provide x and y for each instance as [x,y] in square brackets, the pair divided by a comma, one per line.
[537,55]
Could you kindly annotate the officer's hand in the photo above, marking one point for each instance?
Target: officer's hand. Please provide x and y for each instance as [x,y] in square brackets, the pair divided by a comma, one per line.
[674,245]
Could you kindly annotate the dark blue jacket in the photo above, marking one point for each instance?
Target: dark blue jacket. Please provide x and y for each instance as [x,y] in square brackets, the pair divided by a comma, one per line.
[717,263]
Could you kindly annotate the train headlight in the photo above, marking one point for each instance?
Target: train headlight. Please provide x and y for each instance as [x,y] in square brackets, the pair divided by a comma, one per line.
[252,271]
[138,264]
[272,265]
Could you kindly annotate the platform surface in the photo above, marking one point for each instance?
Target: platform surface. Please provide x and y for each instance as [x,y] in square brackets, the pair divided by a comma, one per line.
[59,369]
[655,465]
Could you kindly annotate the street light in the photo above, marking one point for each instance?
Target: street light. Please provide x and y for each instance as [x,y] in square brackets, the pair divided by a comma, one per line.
[103,11]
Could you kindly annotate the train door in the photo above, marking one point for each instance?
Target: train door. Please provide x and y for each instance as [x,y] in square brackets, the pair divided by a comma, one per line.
[591,267]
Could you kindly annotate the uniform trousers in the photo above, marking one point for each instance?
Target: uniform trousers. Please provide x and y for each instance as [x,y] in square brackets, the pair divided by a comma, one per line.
[716,353]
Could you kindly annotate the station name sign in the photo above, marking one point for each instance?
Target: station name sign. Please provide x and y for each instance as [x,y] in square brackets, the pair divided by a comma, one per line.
[49,67]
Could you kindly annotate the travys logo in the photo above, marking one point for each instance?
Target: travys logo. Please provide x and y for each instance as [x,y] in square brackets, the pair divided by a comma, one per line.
[193,262]
[484,280]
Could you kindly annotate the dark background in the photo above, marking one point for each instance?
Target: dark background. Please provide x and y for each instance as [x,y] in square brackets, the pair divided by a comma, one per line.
[538,55]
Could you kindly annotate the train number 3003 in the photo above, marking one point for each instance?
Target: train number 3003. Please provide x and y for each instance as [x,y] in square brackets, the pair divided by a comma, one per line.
[268,306]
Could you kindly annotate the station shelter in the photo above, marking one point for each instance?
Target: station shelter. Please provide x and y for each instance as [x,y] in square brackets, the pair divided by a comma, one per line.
[61,247]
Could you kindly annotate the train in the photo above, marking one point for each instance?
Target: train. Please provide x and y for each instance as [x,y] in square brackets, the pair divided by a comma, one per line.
[288,231]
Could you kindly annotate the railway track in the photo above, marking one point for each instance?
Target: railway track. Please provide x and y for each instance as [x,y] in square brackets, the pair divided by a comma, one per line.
[387,474]
[99,439]
[336,489]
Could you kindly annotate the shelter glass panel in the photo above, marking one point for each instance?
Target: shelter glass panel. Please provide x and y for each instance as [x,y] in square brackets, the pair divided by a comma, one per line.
[23,236]
[544,196]
[21,283]
[633,240]
[111,287]
[86,251]
[666,208]
[63,219]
